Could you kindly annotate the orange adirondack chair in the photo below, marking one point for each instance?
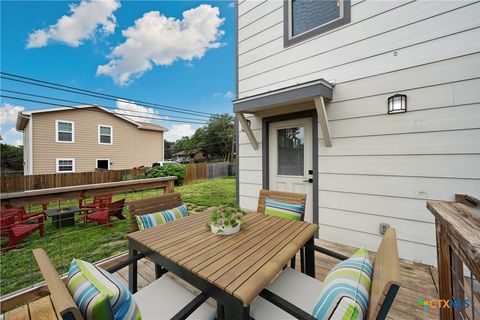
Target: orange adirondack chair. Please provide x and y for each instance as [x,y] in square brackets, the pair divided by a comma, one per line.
[102,215]
[15,227]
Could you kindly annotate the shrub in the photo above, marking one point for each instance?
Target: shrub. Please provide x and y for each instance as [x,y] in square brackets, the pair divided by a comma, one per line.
[165,171]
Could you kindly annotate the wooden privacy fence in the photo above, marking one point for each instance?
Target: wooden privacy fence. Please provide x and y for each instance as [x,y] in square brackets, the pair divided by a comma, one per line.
[193,172]
[58,180]
[204,171]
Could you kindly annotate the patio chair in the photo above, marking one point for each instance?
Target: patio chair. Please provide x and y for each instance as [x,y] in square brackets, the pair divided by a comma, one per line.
[162,299]
[99,202]
[150,205]
[102,215]
[15,228]
[285,197]
[293,295]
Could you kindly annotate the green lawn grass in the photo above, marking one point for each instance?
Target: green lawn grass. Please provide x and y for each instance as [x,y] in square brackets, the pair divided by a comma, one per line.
[18,268]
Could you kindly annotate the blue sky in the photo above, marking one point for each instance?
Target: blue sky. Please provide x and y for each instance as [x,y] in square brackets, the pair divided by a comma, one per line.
[178,53]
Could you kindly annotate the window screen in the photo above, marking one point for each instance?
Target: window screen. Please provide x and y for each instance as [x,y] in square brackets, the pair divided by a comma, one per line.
[309,14]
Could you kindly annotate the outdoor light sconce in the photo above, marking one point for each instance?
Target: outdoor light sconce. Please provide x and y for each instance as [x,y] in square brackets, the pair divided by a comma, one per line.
[397,103]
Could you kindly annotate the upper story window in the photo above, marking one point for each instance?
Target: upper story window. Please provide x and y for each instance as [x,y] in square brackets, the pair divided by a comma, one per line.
[64,131]
[104,134]
[307,18]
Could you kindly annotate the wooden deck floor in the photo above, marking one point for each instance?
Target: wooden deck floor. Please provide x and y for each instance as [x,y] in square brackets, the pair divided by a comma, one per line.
[418,281]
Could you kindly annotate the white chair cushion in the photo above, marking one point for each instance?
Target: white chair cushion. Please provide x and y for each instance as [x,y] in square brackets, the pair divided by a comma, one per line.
[295,287]
[164,297]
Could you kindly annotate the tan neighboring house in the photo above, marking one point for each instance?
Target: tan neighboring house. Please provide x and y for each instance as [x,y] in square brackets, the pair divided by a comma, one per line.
[85,138]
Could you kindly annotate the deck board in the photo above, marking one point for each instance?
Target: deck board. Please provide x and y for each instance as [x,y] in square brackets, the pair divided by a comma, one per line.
[418,281]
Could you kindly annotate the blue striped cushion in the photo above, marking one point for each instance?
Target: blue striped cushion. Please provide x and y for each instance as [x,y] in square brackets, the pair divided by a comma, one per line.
[283,209]
[150,220]
[99,294]
[346,289]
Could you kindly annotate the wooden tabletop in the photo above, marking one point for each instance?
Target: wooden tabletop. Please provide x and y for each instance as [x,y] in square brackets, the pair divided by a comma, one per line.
[242,264]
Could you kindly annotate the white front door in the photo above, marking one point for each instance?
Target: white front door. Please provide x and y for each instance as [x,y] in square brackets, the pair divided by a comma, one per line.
[290,159]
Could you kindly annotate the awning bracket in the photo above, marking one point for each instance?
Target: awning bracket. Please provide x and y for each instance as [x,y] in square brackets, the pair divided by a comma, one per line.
[322,118]
[247,129]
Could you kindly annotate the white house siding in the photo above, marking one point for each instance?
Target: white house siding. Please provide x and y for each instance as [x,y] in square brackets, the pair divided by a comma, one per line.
[381,168]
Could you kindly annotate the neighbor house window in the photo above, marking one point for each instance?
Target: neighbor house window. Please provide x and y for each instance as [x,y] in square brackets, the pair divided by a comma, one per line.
[64,131]
[306,18]
[103,164]
[65,165]
[104,134]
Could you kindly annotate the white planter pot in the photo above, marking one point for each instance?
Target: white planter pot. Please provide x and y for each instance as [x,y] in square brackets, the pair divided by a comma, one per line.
[225,230]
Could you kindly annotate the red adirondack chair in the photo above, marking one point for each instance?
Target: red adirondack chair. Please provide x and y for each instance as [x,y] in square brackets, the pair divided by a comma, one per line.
[99,202]
[102,216]
[15,227]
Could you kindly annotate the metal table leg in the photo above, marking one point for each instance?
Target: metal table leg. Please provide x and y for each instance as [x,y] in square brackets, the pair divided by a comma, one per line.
[310,258]
[132,271]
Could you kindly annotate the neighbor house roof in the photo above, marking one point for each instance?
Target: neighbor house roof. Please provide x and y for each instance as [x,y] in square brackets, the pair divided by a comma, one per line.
[24,117]
[187,153]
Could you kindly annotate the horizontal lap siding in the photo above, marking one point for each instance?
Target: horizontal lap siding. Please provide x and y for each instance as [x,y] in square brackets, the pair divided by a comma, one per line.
[382,168]
[132,147]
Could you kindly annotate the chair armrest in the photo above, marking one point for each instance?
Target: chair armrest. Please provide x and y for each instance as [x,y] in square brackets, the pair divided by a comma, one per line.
[190,307]
[125,263]
[330,253]
[61,298]
[285,305]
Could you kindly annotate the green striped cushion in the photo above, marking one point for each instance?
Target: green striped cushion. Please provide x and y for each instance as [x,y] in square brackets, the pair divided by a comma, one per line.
[148,221]
[99,294]
[283,209]
[346,289]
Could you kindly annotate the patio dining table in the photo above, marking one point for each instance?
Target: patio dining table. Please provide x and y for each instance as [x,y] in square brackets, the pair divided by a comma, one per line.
[232,269]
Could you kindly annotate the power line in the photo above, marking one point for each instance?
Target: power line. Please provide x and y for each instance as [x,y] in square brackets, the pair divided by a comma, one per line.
[89,103]
[80,91]
[76,107]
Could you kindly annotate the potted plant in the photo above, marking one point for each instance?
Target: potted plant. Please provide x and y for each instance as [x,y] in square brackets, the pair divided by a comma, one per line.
[225,221]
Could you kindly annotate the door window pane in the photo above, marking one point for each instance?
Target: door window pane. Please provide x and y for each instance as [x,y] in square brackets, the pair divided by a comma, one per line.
[290,152]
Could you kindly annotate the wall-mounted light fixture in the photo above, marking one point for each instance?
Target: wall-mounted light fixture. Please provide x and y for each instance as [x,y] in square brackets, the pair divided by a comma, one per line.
[397,103]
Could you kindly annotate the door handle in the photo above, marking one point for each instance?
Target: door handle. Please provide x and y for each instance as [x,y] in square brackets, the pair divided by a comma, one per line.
[308,180]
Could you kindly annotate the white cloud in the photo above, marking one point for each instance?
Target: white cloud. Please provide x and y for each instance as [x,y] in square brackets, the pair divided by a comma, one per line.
[159,40]
[179,130]
[8,113]
[13,132]
[231,4]
[11,135]
[227,95]
[84,21]
[131,109]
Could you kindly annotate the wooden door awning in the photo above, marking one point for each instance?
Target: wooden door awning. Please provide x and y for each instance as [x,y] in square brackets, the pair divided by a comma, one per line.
[311,92]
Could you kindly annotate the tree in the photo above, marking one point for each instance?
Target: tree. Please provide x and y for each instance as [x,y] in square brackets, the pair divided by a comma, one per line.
[168,152]
[11,158]
[215,139]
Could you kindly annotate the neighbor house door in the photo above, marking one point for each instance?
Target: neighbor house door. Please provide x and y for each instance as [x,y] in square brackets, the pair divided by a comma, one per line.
[290,159]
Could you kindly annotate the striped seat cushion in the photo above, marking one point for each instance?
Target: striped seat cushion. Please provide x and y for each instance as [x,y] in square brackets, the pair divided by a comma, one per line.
[283,209]
[99,294]
[346,289]
[150,220]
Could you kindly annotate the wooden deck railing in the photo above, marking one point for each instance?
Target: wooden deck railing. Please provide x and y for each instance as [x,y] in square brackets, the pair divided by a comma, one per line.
[41,196]
[458,245]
